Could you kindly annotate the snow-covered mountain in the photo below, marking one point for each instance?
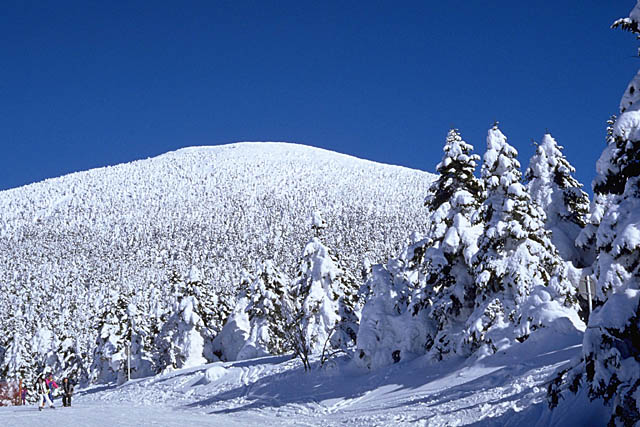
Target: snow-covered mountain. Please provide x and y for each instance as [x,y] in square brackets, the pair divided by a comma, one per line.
[475,319]
[67,243]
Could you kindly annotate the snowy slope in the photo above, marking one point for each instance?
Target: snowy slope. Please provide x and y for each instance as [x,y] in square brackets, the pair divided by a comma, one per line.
[503,389]
[65,242]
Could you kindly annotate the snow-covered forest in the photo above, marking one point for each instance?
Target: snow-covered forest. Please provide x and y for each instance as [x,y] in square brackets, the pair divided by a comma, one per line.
[262,249]
[89,257]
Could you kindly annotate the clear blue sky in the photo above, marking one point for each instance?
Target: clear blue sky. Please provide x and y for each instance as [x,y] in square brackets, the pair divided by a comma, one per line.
[87,84]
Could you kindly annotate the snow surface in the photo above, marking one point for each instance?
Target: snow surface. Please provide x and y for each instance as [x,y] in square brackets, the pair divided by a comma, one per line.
[502,389]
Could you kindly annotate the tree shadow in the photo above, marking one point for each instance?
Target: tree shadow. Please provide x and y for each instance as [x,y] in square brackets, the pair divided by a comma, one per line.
[97,389]
[324,388]
[294,387]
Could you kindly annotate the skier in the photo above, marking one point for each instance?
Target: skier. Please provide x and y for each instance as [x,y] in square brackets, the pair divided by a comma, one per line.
[51,384]
[23,395]
[67,391]
[43,391]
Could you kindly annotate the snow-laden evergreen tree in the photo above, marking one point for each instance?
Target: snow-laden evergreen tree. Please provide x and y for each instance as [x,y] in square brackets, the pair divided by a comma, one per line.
[44,344]
[603,196]
[519,275]
[186,338]
[418,297]
[216,310]
[388,331]
[456,175]
[455,199]
[68,359]
[140,344]
[257,326]
[610,366]
[551,184]
[70,362]
[120,347]
[618,169]
[181,342]
[19,361]
[324,301]
[318,223]
[110,353]
[214,306]
[211,306]
[19,364]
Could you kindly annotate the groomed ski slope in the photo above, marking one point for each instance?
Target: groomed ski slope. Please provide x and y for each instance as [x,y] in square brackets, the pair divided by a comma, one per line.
[501,390]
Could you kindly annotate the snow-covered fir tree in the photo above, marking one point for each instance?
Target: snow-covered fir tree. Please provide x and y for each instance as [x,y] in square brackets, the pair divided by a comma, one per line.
[388,331]
[110,353]
[318,223]
[603,195]
[140,344]
[454,199]
[18,364]
[257,326]
[68,358]
[419,296]
[551,184]
[181,343]
[19,361]
[324,301]
[518,273]
[456,174]
[70,362]
[211,309]
[214,305]
[610,367]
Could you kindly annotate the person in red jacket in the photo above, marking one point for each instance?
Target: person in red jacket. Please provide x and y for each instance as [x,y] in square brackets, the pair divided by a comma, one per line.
[51,384]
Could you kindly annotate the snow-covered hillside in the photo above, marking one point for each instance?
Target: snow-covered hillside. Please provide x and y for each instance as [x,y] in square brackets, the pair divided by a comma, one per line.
[69,245]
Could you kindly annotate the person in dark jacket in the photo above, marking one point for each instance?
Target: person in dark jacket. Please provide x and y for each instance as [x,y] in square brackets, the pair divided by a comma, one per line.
[67,391]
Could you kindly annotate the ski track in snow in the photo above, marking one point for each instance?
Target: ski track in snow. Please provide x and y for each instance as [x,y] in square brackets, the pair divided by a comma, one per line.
[504,389]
